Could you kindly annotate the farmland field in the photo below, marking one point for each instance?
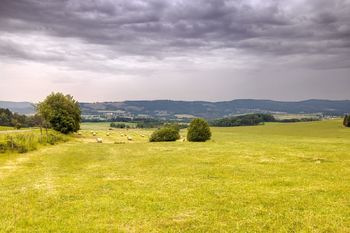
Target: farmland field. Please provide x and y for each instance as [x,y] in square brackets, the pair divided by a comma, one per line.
[4,128]
[269,178]
[102,125]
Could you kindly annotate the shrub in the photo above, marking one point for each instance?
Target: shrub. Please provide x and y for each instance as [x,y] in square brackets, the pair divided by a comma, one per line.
[198,131]
[21,143]
[165,134]
[18,126]
[174,126]
[3,147]
[24,142]
[346,121]
[53,138]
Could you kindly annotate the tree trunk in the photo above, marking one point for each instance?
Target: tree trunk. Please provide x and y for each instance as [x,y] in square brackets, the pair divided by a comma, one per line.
[41,134]
[47,135]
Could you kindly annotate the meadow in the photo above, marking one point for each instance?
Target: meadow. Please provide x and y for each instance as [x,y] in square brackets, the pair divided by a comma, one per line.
[29,139]
[5,128]
[102,125]
[268,178]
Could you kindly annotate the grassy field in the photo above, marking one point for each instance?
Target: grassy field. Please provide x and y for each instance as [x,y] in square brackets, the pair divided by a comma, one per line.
[28,139]
[102,125]
[270,178]
[4,128]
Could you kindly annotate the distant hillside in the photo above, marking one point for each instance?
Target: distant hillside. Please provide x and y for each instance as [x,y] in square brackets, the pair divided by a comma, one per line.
[18,107]
[169,109]
[176,109]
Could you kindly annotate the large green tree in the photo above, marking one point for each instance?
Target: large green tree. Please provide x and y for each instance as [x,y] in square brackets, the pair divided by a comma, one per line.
[61,112]
[198,131]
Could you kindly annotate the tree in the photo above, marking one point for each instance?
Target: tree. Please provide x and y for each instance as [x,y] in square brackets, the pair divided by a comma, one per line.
[118,125]
[198,131]
[61,112]
[244,120]
[346,121]
[165,134]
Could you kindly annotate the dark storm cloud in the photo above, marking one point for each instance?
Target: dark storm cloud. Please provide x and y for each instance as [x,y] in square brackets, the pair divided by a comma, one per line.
[183,28]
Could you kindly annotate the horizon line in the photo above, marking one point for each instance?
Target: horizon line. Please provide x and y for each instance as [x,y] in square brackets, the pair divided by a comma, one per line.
[176,100]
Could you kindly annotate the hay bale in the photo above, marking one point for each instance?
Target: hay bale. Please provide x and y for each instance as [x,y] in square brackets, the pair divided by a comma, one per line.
[129,138]
[99,140]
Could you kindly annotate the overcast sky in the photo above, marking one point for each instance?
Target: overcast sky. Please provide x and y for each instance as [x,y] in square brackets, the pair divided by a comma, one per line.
[115,50]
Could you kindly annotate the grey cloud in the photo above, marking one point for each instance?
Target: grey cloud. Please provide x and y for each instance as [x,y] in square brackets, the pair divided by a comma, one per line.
[11,49]
[161,29]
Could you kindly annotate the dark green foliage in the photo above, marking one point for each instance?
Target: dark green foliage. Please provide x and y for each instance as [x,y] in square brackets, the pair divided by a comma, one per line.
[61,112]
[346,121]
[174,126]
[244,120]
[18,125]
[198,131]
[119,125]
[7,118]
[293,120]
[53,138]
[23,143]
[3,147]
[255,119]
[147,123]
[165,134]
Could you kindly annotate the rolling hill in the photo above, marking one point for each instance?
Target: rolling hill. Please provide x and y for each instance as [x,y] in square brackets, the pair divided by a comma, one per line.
[18,107]
[210,110]
[170,109]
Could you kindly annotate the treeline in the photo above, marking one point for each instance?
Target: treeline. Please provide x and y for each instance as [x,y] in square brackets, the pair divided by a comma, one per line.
[114,119]
[7,118]
[254,119]
[142,123]
[243,120]
[292,120]
[119,125]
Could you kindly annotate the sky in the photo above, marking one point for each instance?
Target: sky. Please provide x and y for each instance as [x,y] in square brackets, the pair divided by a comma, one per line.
[115,50]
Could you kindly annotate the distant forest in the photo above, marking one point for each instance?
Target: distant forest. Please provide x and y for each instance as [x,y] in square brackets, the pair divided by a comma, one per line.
[7,118]
[253,119]
[241,120]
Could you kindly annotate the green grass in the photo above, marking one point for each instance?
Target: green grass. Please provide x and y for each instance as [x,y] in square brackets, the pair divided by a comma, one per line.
[4,128]
[28,139]
[102,125]
[270,178]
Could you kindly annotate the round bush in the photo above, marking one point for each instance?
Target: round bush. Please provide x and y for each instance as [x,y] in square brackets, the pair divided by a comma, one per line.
[166,134]
[346,121]
[198,131]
